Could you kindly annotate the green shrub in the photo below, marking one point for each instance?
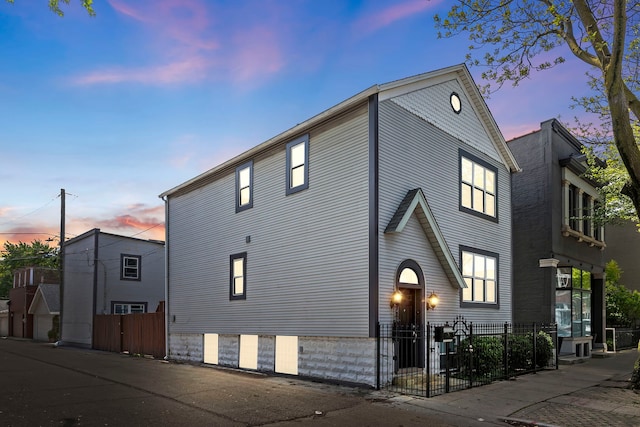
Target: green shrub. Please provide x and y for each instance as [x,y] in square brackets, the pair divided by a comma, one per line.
[635,377]
[520,351]
[485,356]
[544,349]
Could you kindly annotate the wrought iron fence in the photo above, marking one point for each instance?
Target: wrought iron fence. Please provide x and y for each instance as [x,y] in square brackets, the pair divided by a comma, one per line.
[621,338]
[432,359]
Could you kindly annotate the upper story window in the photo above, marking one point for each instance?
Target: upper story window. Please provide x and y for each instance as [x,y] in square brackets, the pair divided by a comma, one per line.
[237,276]
[478,193]
[298,164]
[579,210]
[130,267]
[244,186]
[480,273]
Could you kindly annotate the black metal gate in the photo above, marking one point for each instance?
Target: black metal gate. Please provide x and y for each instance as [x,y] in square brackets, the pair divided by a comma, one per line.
[439,358]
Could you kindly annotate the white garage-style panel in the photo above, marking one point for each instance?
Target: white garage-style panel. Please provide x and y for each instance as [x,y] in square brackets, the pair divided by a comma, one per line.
[249,351]
[211,348]
[287,355]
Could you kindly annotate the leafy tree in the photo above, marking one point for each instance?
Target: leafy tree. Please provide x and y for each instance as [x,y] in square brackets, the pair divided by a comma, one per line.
[622,304]
[19,255]
[54,5]
[512,38]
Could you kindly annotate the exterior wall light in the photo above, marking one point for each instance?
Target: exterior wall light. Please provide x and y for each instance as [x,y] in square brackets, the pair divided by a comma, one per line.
[432,301]
[563,279]
[396,299]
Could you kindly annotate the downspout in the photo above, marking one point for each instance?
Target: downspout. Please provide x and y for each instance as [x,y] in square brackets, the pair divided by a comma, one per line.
[96,239]
[104,286]
[373,223]
[166,276]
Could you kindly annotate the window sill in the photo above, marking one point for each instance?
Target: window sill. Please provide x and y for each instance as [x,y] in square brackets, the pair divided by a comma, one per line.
[581,237]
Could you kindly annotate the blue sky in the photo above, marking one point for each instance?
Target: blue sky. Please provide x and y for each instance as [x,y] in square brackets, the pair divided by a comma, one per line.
[120,107]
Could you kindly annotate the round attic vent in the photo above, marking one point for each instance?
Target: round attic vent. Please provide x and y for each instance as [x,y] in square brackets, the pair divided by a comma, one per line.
[456,104]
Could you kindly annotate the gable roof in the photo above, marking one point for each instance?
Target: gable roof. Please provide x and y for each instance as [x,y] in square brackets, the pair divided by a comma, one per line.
[415,202]
[386,90]
[49,295]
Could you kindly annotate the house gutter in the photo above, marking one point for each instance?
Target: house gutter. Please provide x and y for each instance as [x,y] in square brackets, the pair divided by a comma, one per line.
[165,199]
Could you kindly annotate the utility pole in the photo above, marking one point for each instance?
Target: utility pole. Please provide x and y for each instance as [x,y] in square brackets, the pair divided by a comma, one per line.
[61,259]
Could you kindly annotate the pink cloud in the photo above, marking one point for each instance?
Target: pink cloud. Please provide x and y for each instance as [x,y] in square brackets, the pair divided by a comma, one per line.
[127,10]
[4,211]
[28,234]
[190,47]
[374,22]
[138,219]
[190,69]
[258,53]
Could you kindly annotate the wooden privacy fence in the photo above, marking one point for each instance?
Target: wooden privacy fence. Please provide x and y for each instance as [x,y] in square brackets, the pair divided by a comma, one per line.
[137,333]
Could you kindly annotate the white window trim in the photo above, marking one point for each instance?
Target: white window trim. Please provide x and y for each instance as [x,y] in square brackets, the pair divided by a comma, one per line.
[569,178]
[125,267]
[129,306]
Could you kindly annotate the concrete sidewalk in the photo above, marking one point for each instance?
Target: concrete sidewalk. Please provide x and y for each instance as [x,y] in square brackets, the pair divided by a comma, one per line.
[592,393]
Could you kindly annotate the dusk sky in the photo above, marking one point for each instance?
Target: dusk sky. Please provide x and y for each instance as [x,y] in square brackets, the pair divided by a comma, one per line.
[121,107]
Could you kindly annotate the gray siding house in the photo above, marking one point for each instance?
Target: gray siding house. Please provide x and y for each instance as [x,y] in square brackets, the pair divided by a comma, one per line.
[108,274]
[558,248]
[286,258]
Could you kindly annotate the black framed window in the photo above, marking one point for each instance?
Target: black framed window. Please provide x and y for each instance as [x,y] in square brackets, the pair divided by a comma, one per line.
[478,187]
[238,276]
[298,164]
[130,267]
[480,273]
[573,302]
[244,186]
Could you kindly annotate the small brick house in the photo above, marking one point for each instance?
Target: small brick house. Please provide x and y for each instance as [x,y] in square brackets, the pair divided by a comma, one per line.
[25,284]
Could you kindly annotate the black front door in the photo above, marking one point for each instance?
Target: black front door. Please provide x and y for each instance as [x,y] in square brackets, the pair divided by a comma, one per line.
[410,330]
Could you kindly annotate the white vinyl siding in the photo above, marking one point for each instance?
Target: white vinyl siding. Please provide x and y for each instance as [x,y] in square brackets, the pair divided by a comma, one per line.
[303,251]
[409,143]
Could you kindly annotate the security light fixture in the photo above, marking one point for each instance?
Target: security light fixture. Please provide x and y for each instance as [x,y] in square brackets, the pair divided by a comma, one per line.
[396,299]
[432,301]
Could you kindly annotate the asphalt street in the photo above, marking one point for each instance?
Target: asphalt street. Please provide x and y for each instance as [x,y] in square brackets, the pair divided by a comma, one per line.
[48,386]
[61,386]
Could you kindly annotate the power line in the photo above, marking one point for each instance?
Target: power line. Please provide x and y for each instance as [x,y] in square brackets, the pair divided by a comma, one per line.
[30,213]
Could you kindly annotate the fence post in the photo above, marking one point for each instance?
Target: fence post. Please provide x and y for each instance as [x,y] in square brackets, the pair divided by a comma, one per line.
[471,352]
[427,337]
[505,355]
[535,348]
[378,356]
[556,342]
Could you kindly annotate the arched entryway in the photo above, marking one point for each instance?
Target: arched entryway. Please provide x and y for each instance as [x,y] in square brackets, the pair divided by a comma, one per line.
[410,315]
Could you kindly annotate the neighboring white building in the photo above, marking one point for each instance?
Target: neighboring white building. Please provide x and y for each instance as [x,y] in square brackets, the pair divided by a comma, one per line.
[44,308]
[108,274]
[285,258]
